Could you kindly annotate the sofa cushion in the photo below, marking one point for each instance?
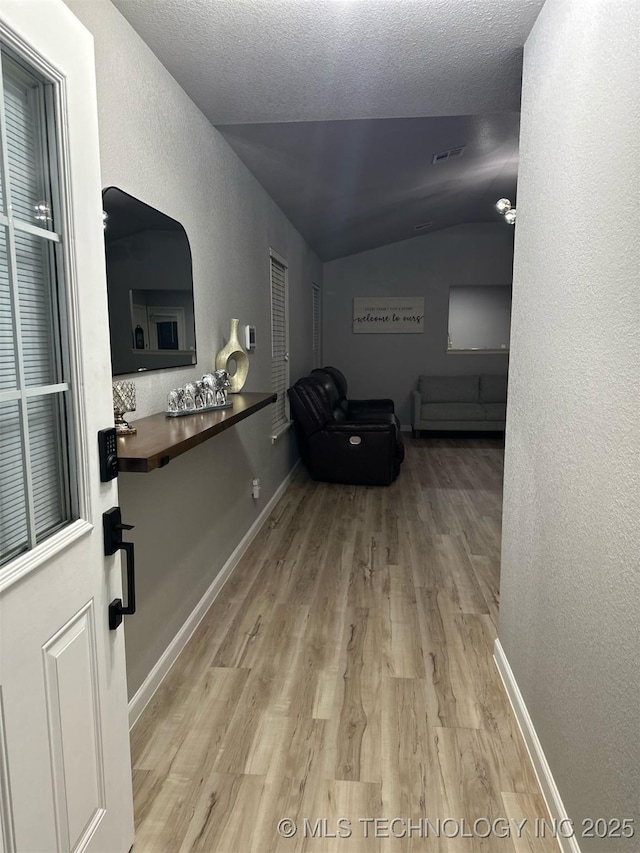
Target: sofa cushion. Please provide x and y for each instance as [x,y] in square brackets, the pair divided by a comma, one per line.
[495,412]
[493,388]
[452,412]
[449,389]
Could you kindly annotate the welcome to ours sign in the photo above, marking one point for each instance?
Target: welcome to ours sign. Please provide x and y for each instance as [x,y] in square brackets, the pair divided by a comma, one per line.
[392,315]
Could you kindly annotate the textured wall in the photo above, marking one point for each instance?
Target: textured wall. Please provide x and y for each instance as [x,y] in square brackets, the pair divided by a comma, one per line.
[389,365]
[570,602]
[157,146]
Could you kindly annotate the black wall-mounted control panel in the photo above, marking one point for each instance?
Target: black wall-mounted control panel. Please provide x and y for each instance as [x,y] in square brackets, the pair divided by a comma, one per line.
[107,445]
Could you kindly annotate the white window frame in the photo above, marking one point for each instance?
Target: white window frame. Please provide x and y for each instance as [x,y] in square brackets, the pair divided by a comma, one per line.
[278,425]
[68,305]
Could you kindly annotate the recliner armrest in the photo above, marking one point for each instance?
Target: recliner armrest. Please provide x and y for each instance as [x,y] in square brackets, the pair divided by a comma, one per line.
[362,426]
[365,453]
[384,430]
[361,406]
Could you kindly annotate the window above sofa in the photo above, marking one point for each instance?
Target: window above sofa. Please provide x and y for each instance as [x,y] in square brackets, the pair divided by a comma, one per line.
[479,319]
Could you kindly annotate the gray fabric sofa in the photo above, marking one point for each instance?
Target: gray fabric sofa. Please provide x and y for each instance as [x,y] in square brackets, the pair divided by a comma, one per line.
[470,403]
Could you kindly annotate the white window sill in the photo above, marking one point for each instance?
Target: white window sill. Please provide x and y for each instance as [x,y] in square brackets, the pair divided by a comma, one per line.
[281,431]
[477,351]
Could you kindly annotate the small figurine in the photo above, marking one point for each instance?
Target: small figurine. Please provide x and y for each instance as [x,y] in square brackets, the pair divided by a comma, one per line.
[189,397]
[200,395]
[172,401]
[209,386]
[221,383]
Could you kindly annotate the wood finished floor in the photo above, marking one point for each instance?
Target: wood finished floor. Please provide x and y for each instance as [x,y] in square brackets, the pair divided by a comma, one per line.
[346,671]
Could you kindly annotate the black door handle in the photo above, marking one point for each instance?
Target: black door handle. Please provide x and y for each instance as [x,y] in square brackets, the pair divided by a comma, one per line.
[113,527]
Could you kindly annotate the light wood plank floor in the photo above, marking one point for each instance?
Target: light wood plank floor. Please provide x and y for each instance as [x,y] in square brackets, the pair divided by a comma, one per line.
[346,671]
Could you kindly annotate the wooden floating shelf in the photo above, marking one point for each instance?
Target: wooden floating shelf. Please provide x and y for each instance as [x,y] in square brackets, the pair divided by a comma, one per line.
[160,439]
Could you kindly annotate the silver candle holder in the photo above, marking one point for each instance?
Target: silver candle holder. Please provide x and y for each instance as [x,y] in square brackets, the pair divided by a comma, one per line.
[124,400]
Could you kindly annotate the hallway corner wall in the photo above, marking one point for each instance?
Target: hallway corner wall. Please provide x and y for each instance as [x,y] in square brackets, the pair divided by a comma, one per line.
[570,583]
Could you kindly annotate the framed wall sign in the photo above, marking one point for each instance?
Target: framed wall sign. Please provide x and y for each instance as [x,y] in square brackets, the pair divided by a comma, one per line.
[391,315]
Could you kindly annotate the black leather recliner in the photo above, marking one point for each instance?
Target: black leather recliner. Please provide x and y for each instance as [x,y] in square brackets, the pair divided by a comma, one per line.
[353,409]
[365,451]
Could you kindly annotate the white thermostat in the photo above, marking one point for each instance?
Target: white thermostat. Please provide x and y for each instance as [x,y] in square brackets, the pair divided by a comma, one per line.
[250,337]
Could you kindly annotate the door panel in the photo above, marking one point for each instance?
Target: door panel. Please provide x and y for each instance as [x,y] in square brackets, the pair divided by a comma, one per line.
[75,737]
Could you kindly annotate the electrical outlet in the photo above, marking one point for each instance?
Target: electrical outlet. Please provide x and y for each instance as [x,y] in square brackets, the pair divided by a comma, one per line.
[255,488]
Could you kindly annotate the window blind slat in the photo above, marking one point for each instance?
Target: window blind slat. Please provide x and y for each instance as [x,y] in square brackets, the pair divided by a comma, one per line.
[8,378]
[26,169]
[13,516]
[36,320]
[315,325]
[279,363]
[45,463]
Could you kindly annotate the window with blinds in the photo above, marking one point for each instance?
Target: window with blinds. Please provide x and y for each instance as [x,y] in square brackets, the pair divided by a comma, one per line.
[316,328]
[36,493]
[279,342]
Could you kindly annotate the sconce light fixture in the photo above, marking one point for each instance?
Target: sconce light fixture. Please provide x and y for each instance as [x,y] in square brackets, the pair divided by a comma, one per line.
[503,206]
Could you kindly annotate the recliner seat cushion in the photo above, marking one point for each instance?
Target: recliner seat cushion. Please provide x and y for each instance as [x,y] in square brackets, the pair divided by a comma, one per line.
[452,412]
[449,389]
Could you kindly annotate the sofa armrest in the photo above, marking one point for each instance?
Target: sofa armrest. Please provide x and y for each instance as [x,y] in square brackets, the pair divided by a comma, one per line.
[358,407]
[416,403]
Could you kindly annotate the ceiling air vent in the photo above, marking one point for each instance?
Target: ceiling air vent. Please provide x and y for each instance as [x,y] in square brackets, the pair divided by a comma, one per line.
[423,226]
[451,154]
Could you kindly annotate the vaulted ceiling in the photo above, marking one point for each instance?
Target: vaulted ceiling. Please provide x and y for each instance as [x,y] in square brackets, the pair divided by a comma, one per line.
[338,106]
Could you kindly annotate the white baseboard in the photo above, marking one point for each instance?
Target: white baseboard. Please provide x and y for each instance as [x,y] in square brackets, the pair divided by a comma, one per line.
[159,672]
[546,781]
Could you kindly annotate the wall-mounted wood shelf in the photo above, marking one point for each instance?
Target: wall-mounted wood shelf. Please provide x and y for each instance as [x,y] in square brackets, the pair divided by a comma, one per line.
[160,439]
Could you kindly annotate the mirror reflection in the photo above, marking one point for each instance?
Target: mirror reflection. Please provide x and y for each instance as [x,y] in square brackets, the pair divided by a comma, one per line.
[150,287]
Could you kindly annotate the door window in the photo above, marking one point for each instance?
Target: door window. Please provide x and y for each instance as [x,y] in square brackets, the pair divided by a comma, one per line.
[37,492]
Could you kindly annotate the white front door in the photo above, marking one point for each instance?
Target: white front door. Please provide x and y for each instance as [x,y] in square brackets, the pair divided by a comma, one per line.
[65,775]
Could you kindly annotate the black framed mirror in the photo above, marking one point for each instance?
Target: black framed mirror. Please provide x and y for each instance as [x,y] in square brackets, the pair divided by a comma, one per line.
[149,285]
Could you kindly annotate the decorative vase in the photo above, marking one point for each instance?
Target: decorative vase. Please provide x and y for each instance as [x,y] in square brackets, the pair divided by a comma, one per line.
[233,352]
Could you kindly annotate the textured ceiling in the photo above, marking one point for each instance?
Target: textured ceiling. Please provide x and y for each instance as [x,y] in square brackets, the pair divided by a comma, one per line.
[293,71]
[349,186]
[321,60]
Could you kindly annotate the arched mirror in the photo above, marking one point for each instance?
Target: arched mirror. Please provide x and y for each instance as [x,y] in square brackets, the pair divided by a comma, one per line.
[150,286]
